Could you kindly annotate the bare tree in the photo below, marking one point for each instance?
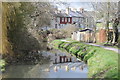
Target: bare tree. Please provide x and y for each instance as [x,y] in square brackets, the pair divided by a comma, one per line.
[106,11]
[116,22]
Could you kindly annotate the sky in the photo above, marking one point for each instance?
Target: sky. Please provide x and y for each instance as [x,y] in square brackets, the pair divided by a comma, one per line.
[85,5]
[78,5]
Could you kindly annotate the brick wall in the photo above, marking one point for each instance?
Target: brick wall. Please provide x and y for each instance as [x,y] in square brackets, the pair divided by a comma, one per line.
[101,36]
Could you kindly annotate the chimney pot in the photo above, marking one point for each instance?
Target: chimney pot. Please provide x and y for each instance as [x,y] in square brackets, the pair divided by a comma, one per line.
[81,10]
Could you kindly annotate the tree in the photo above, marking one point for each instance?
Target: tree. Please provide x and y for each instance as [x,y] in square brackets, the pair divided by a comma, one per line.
[106,11]
[18,20]
[116,22]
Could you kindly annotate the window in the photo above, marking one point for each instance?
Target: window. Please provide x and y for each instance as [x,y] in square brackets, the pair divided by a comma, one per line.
[65,19]
[56,19]
[55,25]
[62,19]
[68,19]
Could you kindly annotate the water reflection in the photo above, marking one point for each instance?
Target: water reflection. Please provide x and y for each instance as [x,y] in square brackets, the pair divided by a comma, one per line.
[47,69]
[69,67]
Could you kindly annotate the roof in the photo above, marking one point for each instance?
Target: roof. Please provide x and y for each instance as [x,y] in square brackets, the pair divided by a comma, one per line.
[100,20]
[71,14]
[85,14]
[88,14]
[61,14]
[75,14]
[84,30]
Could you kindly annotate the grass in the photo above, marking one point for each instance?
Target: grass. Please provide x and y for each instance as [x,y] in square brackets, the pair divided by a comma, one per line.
[102,63]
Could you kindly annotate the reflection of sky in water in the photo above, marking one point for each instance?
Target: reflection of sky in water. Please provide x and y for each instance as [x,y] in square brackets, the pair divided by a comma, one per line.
[43,71]
[48,70]
[63,73]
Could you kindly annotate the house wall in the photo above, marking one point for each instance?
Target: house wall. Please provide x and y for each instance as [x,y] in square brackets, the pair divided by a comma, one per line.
[55,22]
[52,22]
[101,36]
[88,22]
[60,22]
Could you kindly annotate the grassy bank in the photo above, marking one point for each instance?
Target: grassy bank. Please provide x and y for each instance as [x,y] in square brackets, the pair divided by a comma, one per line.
[102,63]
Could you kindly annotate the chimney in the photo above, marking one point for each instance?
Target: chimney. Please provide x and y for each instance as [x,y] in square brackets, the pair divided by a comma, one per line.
[74,9]
[81,10]
[60,11]
[68,10]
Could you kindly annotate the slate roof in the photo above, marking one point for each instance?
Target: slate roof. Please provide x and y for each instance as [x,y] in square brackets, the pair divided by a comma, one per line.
[88,14]
[85,14]
[71,14]
[84,30]
[100,20]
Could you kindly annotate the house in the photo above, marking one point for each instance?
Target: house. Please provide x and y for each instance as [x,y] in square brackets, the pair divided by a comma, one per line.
[101,34]
[86,35]
[62,18]
[89,21]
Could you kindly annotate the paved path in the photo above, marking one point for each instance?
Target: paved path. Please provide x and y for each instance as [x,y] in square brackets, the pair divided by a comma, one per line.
[66,41]
[108,48]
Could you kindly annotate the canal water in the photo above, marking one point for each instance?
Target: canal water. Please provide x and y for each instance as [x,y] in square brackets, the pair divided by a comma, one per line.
[49,67]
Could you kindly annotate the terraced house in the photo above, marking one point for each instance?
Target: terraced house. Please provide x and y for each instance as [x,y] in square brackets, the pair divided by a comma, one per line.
[81,18]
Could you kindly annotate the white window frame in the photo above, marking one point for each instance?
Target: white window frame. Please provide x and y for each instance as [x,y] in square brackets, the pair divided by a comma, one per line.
[69,19]
[62,19]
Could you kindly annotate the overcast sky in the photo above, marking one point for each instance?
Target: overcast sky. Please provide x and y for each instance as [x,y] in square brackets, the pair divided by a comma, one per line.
[78,5]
